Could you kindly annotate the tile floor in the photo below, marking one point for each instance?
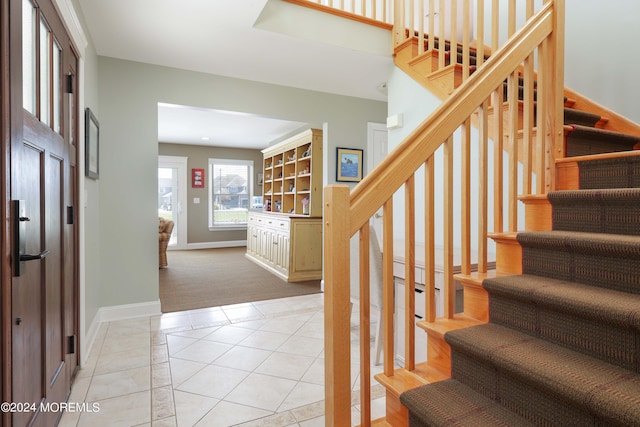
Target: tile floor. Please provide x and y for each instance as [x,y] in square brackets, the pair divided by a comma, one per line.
[253,364]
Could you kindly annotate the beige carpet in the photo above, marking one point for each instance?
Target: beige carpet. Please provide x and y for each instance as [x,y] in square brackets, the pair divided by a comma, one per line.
[214,277]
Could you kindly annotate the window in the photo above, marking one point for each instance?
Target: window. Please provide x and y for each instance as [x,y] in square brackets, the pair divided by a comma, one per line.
[230,192]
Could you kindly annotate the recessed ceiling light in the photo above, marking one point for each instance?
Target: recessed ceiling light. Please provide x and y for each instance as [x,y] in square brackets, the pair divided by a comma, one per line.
[205,138]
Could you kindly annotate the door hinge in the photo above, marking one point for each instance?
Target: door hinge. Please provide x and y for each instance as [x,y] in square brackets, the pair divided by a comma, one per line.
[69,83]
[71,344]
[70,215]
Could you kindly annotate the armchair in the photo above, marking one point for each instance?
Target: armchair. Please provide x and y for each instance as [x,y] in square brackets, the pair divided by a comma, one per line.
[165,227]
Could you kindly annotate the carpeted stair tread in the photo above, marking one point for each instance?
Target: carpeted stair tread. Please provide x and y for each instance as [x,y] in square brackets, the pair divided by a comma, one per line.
[599,322]
[622,172]
[607,245]
[595,259]
[615,211]
[451,403]
[579,117]
[618,309]
[583,140]
[609,392]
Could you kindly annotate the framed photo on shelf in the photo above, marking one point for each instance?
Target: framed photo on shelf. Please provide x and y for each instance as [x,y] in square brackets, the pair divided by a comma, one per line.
[197,178]
[348,164]
[91,145]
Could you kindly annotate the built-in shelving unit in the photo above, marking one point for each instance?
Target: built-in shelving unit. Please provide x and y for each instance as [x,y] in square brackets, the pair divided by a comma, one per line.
[286,236]
[293,175]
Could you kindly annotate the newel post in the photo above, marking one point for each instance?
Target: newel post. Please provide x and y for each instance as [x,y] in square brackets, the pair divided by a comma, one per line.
[337,361]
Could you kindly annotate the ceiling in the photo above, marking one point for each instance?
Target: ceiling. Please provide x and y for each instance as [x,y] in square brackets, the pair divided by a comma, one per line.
[278,44]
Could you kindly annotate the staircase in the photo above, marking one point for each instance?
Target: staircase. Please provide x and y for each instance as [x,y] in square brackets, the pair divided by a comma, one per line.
[562,343]
[552,335]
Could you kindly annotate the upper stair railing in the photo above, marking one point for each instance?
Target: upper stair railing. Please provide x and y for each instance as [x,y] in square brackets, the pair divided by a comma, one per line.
[496,89]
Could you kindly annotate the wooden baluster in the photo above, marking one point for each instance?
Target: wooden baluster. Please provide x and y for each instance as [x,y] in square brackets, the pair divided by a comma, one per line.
[337,331]
[399,33]
[412,20]
[528,122]
[498,159]
[466,198]
[387,285]
[541,136]
[432,23]
[483,185]
[365,330]
[410,274]
[480,33]
[429,241]
[557,101]
[421,38]
[453,44]
[441,35]
[495,25]
[512,197]
[449,287]
[512,18]
[466,35]
[498,117]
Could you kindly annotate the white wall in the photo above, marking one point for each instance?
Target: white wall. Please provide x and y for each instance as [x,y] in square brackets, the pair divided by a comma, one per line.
[600,53]
[129,93]
[600,58]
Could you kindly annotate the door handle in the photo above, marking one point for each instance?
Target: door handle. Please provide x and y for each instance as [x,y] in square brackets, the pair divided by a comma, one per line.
[31,257]
[19,254]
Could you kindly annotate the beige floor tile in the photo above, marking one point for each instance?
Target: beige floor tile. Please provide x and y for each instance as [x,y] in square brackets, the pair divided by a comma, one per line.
[190,408]
[285,365]
[160,375]
[176,343]
[243,358]
[119,383]
[122,411]
[197,333]
[301,395]
[126,342]
[162,405]
[315,373]
[229,414]
[229,334]
[214,381]
[243,313]
[261,391]
[159,354]
[264,340]
[120,361]
[284,325]
[203,351]
[303,346]
[182,370]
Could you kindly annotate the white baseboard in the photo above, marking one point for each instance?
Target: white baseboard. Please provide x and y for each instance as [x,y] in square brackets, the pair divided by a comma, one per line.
[118,312]
[215,245]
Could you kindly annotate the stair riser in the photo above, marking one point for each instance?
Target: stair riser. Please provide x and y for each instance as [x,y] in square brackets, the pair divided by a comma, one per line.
[610,173]
[598,338]
[523,398]
[596,217]
[616,273]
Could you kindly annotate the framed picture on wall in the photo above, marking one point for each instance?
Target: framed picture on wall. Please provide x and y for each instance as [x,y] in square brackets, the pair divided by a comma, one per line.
[348,164]
[197,178]
[91,145]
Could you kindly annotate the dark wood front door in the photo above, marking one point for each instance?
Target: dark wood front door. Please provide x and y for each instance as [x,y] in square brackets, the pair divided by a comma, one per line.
[42,200]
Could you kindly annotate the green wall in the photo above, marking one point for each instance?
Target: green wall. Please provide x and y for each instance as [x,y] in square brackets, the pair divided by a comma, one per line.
[128,96]
[197,214]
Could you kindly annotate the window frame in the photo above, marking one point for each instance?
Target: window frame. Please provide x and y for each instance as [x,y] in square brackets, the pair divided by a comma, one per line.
[211,194]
